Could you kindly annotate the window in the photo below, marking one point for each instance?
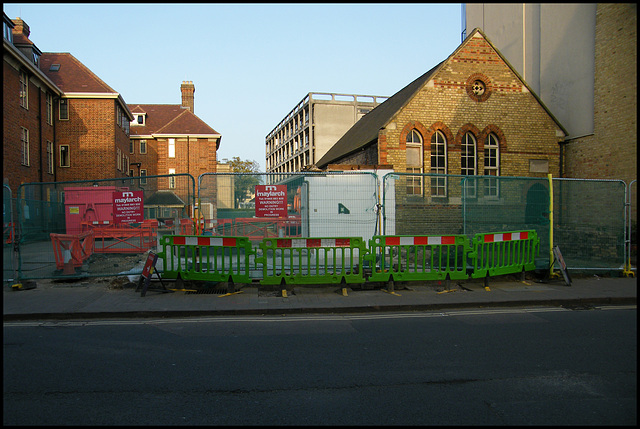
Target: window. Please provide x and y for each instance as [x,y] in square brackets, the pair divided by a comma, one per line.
[125,163]
[119,159]
[8,34]
[172,148]
[131,174]
[141,119]
[468,155]
[143,147]
[49,102]
[118,116]
[25,146]
[414,162]
[24,90]
[172,180]
[131,146]
[438,164]
[468,163]
[63,109]
[49,157]
[143,177]
[491,165]
[65,158]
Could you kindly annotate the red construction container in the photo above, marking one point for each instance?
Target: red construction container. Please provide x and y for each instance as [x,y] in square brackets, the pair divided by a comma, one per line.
[88,204]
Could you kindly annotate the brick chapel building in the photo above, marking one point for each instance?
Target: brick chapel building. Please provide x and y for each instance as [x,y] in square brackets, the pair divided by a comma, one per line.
[472,114]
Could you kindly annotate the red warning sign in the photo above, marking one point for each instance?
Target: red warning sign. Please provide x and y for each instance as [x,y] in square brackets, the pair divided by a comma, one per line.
[127,207]
[271,200]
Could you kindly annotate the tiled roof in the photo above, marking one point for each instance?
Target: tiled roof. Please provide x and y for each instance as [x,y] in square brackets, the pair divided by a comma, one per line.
[73,76]
[168,119]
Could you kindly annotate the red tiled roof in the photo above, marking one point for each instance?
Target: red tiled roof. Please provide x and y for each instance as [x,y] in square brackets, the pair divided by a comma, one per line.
[73,76]
[168,119]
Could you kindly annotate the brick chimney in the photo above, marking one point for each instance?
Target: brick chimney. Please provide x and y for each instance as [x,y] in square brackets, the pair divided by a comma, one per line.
[20,27]
[187,89]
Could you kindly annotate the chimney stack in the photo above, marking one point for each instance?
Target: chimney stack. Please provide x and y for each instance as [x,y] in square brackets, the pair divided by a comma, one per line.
[188,89]
[20,27]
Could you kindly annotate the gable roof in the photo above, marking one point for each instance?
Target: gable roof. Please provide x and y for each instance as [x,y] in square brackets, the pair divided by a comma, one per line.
[72,76]
[365,132]
[169,120]
[76,80]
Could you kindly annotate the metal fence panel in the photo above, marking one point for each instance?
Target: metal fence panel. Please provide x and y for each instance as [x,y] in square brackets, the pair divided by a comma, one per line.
[589,222]
[8,234]
[50,216]
[334,204]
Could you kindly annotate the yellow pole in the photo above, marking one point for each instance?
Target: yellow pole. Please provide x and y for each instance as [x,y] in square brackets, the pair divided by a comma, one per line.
[550,224]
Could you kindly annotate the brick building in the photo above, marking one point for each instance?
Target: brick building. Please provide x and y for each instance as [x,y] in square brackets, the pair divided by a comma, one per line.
[472,114]
[29,109]
[61,122]
[92,131]
[171,139]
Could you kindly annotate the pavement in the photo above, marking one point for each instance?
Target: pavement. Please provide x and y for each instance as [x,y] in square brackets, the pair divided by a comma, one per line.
[93,299]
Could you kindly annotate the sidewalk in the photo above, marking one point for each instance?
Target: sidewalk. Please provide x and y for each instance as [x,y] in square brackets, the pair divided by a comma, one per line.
[92,299]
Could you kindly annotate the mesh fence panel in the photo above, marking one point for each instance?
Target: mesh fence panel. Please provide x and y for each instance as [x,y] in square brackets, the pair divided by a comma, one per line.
[589,222]
[52,220]
[589,215]
[315,205]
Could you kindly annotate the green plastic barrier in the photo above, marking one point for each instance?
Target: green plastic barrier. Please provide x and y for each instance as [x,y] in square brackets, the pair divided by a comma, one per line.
[312,260]
[500,253]
[206,258]
[423,257]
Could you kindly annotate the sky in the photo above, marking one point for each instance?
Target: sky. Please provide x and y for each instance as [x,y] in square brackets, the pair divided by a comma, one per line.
[251,64]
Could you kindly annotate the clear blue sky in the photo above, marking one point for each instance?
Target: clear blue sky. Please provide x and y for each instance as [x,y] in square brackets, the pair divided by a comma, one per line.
[250,63]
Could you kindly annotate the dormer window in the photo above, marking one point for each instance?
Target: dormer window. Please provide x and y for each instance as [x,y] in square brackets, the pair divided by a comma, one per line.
[138,119]
[36,58]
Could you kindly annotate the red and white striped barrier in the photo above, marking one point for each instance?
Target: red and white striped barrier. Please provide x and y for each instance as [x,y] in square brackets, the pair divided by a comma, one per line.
[506,236]
[313,242]
[419,241]
[204,241]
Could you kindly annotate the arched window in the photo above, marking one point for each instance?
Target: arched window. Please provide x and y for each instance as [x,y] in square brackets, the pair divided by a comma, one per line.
[491,164]
[414,162]
[468,155]
[438,164]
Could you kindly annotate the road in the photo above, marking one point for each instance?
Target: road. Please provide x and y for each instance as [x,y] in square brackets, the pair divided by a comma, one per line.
[537,366]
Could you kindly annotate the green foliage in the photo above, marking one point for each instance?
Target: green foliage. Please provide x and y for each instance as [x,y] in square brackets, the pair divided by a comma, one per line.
[244,184]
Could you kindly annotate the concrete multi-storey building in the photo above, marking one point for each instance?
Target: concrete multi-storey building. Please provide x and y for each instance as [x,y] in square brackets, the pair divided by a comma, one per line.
[311,128]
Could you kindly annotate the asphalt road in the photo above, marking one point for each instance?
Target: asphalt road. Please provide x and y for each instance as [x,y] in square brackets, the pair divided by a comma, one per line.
[511,366]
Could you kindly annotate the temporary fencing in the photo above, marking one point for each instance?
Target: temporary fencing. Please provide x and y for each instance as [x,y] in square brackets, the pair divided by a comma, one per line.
[594,221]
[404,258]
[312,260]
[123,228]
[206,258]
[496,254]
[306,204]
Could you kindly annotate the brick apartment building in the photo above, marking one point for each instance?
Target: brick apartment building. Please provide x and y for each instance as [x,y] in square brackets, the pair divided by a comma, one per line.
[61,122]
[472,114]
[29,111]
[171,139]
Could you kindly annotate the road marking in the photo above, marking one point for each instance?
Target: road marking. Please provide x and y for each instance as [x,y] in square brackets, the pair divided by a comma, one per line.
[299,318]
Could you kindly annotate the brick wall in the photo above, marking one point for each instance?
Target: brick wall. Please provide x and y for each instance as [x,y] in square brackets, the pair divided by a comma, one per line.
[524,128]
[612,151]
[34,119]
[93,136]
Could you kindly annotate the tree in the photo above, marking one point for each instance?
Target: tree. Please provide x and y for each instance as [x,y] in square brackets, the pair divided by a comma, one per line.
[244,184]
